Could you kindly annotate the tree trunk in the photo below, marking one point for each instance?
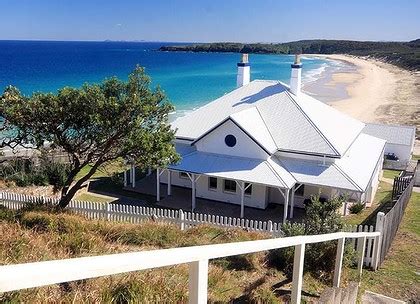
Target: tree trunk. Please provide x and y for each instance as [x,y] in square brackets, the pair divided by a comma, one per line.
[68,192]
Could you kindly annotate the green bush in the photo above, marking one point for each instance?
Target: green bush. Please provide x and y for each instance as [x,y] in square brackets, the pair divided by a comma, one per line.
[6,214]
[321,217]
[282,258]
[24,172]
[356,208]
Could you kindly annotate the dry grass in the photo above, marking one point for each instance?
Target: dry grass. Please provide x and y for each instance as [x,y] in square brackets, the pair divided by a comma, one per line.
[37,235]
[40,235]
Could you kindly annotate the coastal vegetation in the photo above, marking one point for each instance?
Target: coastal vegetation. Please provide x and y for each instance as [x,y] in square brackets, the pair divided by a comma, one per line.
[39,233]
[402,54]
[95,125]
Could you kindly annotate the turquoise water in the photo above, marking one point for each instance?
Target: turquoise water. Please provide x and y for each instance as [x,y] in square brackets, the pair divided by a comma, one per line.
[189,79]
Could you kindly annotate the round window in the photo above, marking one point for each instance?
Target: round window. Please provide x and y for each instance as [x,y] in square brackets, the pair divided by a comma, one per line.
[230,140]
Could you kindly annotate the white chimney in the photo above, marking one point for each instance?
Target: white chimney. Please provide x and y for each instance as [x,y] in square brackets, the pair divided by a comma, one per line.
[244,72]
[296,79]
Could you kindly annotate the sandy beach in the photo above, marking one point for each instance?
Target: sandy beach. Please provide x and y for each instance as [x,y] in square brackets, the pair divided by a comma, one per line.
[374,91]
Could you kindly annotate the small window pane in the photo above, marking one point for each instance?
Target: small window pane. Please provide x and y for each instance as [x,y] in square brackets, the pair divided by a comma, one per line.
[230,140]
[212,183]
[248,191]
[230,185]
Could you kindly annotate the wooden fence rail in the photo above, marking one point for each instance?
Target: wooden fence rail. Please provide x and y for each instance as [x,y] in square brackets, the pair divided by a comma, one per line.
[389,223]
[180,218]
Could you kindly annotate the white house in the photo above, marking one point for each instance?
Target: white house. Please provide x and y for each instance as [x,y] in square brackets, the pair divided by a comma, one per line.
[399,142]
[269,143]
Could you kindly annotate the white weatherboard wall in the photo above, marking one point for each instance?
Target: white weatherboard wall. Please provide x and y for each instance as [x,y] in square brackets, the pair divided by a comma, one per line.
[402,151]
[214,142]
[257,199]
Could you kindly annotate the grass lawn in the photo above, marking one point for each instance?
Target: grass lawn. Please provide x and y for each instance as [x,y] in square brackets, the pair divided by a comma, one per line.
[399,276]
[391,173]
[103,171]
[367,216]
[89,197]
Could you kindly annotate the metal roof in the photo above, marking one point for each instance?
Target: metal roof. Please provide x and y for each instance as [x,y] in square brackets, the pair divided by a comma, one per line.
[277,119]
[360,161]
[393,134]
[352,172]
[258,171]
[314,173]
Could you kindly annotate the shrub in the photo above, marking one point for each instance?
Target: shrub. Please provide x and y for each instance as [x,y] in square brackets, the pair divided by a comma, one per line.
[6,214]
[283,258]
[321,218]
[21,179]
[356,208]
[25,173]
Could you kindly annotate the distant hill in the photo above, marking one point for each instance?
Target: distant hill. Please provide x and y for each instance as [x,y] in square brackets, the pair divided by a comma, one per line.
[402,54]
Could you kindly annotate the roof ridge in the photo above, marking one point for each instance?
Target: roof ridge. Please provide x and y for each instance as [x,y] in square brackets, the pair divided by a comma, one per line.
[265,124]
[347,176]
[313,124]
[275,173]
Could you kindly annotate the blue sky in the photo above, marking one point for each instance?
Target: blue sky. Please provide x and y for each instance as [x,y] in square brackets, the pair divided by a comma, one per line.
[210,20]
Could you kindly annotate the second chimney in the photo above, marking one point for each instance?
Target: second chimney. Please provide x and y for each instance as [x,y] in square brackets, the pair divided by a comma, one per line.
[296,79]
[244,72]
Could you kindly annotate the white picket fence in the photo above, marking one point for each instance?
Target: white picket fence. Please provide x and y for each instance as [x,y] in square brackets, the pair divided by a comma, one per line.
[184,220]
[357,244]
[139,214]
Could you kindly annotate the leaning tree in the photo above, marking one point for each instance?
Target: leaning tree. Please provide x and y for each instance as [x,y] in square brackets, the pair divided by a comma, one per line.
[95,124]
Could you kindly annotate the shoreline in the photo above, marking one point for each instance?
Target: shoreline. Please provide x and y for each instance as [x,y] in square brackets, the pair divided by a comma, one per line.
[376,91]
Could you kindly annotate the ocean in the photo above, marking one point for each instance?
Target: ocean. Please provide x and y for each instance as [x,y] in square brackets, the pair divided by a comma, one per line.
[190,80]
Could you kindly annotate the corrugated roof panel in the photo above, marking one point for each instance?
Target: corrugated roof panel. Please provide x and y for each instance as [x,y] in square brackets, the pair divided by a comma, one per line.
[290,128]
[301,124]
[338,128]
[360,160]
[244,169]
[308,172]
[250,120]
[196,123]
[393,134]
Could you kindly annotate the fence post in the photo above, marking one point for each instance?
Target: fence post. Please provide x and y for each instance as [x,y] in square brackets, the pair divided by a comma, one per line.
[379,226]
[338,262]
[108,211]
[182,219]
[270,226]
[361,252]
[298,273]
[197,282]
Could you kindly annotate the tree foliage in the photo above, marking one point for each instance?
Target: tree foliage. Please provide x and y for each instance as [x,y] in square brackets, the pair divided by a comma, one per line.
[95,124]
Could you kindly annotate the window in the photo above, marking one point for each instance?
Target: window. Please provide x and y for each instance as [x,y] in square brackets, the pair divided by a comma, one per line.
[230,185]
[300,191]
[212,183]
[183,175]
[248,191]
[230,140]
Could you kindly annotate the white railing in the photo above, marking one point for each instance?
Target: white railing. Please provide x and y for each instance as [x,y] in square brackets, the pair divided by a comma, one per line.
[139,214]
[29,275]
[184,220]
